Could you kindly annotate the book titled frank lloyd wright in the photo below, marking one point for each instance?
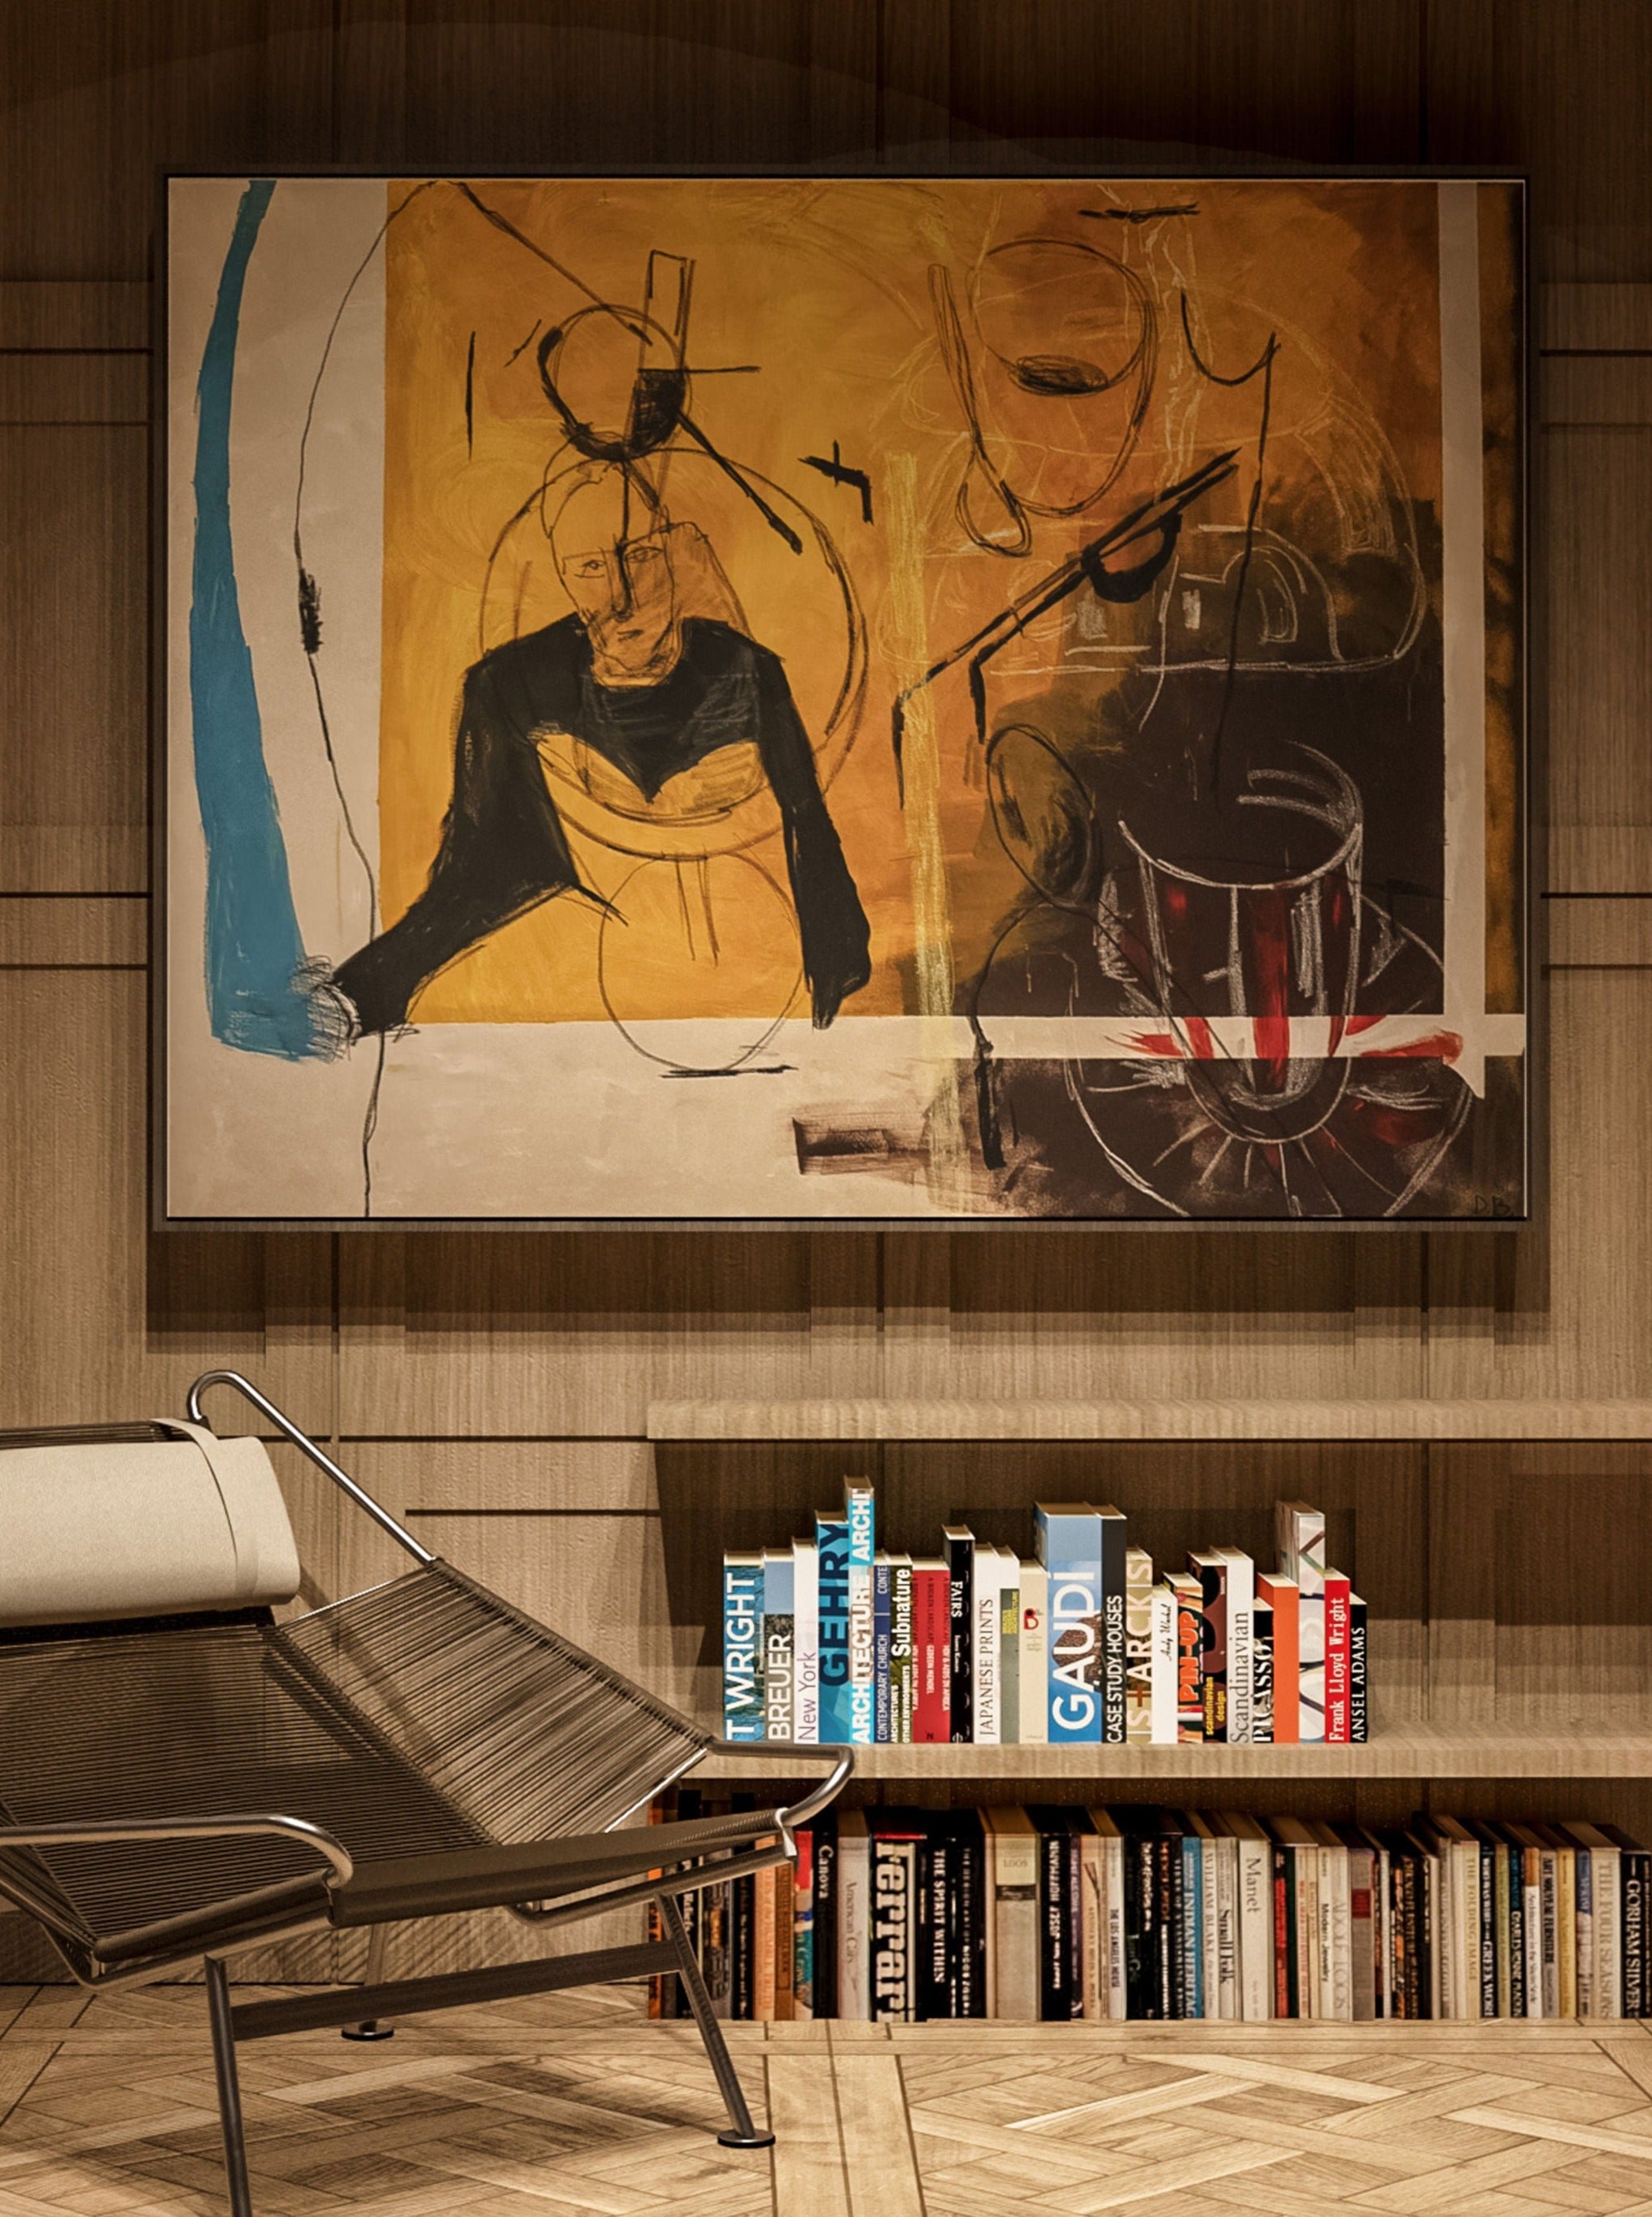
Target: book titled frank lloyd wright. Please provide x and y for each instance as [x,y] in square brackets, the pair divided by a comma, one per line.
[743,1623]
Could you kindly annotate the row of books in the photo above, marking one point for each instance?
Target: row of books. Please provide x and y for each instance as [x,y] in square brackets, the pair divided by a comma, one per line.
[1049,1914]
[834,1640]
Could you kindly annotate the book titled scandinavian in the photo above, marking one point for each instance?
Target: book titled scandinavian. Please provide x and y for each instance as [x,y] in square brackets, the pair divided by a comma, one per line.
[778,1675]
[1069,1548]
[1240,1591]
[805,1642]
[860,1510]
[1033,1689]
[832,1588]
[743,1631]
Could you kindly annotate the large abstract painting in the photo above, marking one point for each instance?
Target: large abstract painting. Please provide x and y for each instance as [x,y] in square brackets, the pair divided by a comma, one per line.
[770,698]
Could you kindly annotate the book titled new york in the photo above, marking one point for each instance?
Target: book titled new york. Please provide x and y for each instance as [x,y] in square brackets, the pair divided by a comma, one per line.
[778,1675]
[832,1590]
[931,1667]
[743,1631]
[1070,1543]
[805,1641]
[957,1545]
[863,1672]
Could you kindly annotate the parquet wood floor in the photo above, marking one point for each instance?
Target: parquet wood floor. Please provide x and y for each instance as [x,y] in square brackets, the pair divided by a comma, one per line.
[576,2103]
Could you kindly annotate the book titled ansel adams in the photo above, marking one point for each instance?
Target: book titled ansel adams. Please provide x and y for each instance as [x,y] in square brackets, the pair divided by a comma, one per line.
[903,1652]
[1262,1674]
[1069,1548]
[805,1642]
[1358,1674]
[1034,1659]
[957,1545]
[778,1677]
[1190,1649]
[986,1630]
[832,1546]
[863,1677]
[743,1631]
[1162,1639]
[1281,1595]
[932,1698]
[1337,1594]
[1138,1644]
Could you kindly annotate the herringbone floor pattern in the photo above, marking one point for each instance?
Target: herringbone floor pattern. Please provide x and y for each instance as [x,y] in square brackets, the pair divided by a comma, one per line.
[576,2103]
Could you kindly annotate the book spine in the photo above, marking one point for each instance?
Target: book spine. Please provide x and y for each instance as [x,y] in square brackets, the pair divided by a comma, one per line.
[823,1951]
[1282,1597]
[785,1942]
[832,1559]
[863,1548]
[1213,1576]
[987,1625]
[743,1606]
[778,1676]
[1583,1931]
[1300,1532]
[960,1565]
[969,1912]
[762,1946]
[932,1693]
[1138,1645]
[1009,1648]
[1016,1941]
[854,1923]
[1362,1927]
[882,1684]
[1631,1864]
[1337,1591]
[1242,1659]
[803,1927]
[1261,1674]
[1091,1923]
[1167,1876]
[1054,1999]
[1548,1867]
[1140,1976]
[1069,1548]
[805,1642]
[903,1651]
[1514,1864]
[1487,1873]
[1358,1674]
[1162,1727]
[1111,1658]
[892,1921]
[1190,1927]
[933,1939]
[1034,1689]
[742,1893]
[1190,1650]
[1531,1908]
[1283,1924]
[1504,2003]
[1608,1932]
[1311,1667]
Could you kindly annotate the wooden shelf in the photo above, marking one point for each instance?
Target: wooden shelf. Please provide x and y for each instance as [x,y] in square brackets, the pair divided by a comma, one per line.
[1524,1421]
[1549,1751]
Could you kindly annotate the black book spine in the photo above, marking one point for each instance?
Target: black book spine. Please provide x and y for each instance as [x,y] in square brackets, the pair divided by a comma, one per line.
[825,1831]
[934,1942]
[1166,1867]
[1292,1937]
[1182,2001]
[1075,1923]
[1416,1987]
[1358,1708]
[1052,1921]
[744,1904]
[960,1578]
[1488,1929]
[1516,1932]
[969,1895]
[1633,1883]
[1141,1989]
[891,1929]
[1112,1659]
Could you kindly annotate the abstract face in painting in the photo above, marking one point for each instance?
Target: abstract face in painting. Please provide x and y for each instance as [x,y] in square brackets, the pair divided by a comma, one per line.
[614,561]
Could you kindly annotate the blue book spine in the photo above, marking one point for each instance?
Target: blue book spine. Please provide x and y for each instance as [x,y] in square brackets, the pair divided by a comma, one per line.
[742,1620]
[882,1597]
[863,1671]
[1069,1548]
[1192,1923]
[832,1547]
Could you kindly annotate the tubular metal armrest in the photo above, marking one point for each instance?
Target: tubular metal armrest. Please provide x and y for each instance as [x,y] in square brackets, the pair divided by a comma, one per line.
[818,1797]
[93,1834]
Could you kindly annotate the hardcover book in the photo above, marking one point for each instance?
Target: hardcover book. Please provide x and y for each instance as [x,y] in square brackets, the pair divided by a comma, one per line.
[743,1633]
[832,1554]
[1337,1722]
[903,1651]
[805,1641]
[1190,1650]
[882,1684]
[932,1706]
[957,1545]
[1208,1565]
[1281,1595]
[1069,1545]
[860,1510]
[1033,1661]
[778,1675]
[1138,1645]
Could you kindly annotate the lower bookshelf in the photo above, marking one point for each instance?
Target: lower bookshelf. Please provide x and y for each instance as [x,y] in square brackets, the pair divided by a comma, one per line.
[1574,1751]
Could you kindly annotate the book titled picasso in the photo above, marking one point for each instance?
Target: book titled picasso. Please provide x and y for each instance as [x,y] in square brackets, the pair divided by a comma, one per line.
[836,1640]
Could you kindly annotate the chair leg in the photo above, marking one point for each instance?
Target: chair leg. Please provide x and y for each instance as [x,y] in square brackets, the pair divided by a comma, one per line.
[229,2086]
[370,2028]
[741,2133]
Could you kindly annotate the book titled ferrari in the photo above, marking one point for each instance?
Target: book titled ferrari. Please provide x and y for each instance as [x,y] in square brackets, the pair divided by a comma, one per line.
[896,1838]
[743,1633]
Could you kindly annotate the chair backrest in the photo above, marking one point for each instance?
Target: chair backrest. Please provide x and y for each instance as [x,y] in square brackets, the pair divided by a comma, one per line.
[182,1523]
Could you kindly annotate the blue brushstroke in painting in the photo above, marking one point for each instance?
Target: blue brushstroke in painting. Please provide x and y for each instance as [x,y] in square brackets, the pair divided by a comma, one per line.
[253,947]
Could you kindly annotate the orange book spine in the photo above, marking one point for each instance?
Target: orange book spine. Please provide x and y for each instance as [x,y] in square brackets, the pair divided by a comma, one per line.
[1282,1595]
[762,1948]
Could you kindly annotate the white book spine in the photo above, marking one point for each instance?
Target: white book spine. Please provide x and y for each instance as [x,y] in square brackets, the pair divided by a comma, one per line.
[1034,1661]
[1164,1667]
[1310,1692]
[1227,1926]
[1210,1922]
[1255,1931]
[1113,1870]
[1301,1534]
[1240,1671]
[1608,1932]
[1531,1900]
[1341,1935]
[1327,1936]
[987,1604]
[805,1642]
[854,1925]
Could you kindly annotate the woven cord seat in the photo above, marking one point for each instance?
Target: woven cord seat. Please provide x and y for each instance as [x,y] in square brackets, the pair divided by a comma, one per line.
[174,1787]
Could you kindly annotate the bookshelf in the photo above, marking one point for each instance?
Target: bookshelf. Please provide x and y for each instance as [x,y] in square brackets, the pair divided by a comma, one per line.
[1203,1421]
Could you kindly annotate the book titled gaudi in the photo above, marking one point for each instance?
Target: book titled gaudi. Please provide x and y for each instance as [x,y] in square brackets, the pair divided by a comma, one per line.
[1082,1550]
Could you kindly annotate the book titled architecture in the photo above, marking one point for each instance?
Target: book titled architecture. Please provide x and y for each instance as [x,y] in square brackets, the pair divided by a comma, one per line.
[743,1631]
[861,1515]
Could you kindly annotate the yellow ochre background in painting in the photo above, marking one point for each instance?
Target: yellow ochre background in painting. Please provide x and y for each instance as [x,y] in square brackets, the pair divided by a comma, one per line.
[812,331]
